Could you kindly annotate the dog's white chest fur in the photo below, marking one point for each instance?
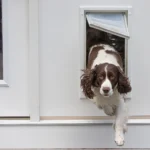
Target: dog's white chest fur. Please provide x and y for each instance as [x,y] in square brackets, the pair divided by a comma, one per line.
[101,101]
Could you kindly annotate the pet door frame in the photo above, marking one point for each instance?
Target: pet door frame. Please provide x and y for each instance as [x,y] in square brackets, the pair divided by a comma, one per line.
[127,10]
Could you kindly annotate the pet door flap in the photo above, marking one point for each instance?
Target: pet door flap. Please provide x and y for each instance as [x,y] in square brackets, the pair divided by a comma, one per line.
[113,23]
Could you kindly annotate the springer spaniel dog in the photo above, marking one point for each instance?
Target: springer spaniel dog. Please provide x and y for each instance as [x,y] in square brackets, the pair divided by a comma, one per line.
[105,82]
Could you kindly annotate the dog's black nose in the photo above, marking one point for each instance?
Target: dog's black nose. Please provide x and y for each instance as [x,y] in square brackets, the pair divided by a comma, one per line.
[106,90]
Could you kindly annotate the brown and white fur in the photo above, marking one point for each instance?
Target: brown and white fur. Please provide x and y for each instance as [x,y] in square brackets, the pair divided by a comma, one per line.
[105,82]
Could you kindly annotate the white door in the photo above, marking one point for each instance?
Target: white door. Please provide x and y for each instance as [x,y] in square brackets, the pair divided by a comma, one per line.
[14,52]
[61,56]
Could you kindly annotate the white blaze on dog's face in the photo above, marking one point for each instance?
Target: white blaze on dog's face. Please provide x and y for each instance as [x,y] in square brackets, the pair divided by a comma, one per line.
[106,79]
[106,87]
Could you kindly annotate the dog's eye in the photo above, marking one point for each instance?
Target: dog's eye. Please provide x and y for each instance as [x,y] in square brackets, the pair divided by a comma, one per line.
[111,77]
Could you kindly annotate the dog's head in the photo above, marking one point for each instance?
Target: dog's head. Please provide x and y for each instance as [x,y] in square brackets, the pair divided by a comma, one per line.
[107,78]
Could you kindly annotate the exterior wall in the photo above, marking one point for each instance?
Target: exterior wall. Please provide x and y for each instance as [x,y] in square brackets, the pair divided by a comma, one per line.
[54,73]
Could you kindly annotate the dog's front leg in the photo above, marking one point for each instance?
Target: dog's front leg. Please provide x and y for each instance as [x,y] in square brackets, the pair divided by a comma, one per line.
[120,122]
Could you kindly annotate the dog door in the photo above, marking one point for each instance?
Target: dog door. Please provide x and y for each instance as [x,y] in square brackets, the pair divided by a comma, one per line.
[108,25]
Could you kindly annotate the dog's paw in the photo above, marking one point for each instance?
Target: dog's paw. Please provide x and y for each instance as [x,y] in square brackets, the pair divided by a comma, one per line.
[119,139]
[109,110]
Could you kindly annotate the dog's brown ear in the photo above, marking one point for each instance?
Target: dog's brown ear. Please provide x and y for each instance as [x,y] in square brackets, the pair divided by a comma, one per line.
[87,80]
[123,83]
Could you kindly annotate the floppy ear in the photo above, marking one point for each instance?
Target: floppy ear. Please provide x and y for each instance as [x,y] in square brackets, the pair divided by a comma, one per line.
[87,80]
[123,83]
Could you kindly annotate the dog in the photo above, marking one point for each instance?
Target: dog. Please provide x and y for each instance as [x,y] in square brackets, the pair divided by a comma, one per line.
[105,82]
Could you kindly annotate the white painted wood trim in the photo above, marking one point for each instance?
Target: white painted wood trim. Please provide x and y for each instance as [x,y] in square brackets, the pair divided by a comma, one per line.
[5,40]
[84,9]
[70,122]
[82,31]
[34,59]
[71,137]
[3,83]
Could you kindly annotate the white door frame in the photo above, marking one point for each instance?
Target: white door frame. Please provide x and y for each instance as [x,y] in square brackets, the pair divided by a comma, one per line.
[34,59]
